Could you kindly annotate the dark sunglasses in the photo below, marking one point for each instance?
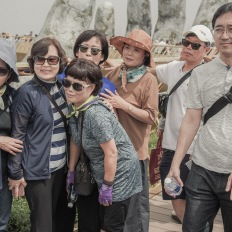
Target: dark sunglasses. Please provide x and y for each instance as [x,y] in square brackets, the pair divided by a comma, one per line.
[52,60]
[195,46]
[76,86]
[94,51]
[4,71]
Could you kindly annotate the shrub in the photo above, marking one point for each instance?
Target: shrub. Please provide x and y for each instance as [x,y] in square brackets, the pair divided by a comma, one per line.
[19,219]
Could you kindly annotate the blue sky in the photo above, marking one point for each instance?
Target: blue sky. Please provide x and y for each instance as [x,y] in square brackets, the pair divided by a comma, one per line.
[23,16]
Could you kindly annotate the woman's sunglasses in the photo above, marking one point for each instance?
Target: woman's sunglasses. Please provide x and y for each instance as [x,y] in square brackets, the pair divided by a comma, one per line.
[195,46]
[94,51]
[52,60]
[76,86]
[4,71]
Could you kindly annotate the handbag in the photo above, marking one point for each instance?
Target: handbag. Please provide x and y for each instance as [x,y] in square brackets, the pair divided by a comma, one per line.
[155,159]
[84,182]
[164,96]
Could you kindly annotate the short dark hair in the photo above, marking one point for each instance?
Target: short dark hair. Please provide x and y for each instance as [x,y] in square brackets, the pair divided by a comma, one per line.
[226,8]
[40,48]
[82,69]
[87,35]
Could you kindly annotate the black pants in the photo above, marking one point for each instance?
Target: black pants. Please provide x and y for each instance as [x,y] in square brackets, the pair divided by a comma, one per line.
[88,212]
[65,216]
[113,217]
[42,197]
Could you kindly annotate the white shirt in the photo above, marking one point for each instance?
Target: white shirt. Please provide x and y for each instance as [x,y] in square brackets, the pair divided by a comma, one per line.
[170,74]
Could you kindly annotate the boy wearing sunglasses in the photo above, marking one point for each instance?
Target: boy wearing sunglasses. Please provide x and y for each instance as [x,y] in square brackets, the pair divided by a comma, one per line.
[195,44]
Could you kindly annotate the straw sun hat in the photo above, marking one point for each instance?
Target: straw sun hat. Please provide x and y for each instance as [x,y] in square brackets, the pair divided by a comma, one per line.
[137,38]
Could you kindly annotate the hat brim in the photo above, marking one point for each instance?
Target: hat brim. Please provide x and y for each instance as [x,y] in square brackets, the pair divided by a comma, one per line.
[119,41]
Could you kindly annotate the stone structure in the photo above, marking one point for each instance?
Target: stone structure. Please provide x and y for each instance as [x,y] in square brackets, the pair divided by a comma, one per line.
[139,15]
[104,19]
[171,20]
[206,10]
[66,20]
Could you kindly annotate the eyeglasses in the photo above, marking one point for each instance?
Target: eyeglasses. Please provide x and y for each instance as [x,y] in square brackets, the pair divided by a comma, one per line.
[76,86]
[220,31]
[4,71]
[94,51]
[194,46]
[52,60]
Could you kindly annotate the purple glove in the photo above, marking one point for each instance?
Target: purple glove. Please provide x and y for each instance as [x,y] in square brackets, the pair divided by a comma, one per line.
[105,194]
[69,179]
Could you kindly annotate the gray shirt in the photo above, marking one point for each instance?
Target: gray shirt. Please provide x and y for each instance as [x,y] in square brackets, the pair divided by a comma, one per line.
[100,126]
[213,148]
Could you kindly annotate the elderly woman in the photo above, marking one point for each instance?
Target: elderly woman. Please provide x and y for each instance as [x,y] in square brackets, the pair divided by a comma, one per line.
[113,159]
[40,125]
[8,74]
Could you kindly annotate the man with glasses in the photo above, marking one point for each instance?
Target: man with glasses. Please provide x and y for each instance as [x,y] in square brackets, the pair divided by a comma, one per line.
[209,184]
[196,43]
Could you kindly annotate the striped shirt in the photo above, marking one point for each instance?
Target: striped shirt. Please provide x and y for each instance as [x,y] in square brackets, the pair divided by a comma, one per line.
[58,139]
[213,147]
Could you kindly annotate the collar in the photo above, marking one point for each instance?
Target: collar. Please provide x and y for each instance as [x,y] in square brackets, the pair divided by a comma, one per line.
[76,110]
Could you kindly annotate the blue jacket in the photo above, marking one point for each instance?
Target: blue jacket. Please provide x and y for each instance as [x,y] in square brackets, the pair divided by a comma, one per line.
[33,124]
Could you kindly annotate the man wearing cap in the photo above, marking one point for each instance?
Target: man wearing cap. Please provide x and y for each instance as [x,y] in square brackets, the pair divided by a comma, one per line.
[209,184]
[196,43]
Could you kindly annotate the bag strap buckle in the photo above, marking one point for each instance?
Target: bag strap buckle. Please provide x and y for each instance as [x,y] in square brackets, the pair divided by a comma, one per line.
[228,97]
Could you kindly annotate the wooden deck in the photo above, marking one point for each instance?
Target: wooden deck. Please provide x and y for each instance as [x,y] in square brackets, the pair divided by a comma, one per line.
[160,215]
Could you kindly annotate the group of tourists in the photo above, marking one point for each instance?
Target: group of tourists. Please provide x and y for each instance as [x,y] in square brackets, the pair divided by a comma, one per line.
[68,107]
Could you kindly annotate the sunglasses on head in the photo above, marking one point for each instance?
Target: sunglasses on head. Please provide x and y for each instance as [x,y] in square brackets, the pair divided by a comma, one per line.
[52,60]
[195,46]
[94,51]
[4,71]
[76,86]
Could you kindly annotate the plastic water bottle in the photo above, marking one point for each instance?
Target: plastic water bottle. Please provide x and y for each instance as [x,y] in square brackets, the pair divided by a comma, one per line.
[72,196]
[172,186]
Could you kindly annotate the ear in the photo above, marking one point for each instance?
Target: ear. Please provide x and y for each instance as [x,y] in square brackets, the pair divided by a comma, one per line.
[207,49]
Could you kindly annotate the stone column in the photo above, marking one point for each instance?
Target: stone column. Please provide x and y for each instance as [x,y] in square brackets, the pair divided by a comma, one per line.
[139,15]
[206,11]
[66,20]
[171,20]
[104,19]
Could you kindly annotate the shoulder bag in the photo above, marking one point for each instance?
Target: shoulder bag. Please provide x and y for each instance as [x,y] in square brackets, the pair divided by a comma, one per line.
[218,105]
[164,96]
[84,182]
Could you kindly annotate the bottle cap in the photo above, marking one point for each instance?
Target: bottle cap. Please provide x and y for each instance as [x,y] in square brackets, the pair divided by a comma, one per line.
[168,180]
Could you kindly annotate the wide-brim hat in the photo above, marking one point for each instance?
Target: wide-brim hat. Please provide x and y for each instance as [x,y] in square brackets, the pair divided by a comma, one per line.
[137,38]
[8,55]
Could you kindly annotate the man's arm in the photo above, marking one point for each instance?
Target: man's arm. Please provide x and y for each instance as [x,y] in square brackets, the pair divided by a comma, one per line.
[189,127]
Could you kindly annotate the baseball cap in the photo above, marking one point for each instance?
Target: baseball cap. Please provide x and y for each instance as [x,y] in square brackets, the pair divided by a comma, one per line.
[202,32]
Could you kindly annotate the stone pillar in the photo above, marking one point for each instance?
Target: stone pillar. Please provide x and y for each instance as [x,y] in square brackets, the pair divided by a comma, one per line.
[66,20]
[206,11]
[139,15]
[171,20]
[104,19]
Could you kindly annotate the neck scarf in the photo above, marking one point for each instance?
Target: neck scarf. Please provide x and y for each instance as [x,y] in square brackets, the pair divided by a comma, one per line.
[83,107]
[131,75]
[2,91]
